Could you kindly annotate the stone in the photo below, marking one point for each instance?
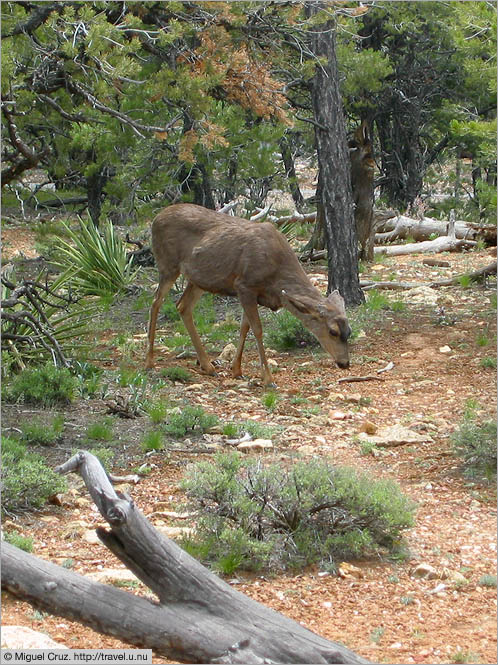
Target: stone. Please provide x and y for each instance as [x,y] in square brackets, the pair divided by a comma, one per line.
[111,575]
[21,637]
[368,427]
[91,537]
[425,571]
[394,435]
[257,444]
[175,531]
[228,353]
[444,349]
[346,570]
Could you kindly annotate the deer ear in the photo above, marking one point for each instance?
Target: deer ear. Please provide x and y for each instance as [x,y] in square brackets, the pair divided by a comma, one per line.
[302,304]
[335,298]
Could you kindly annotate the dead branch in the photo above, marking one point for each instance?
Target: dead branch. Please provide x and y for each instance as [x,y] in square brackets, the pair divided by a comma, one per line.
[26,304]
[198,617]
[355,379]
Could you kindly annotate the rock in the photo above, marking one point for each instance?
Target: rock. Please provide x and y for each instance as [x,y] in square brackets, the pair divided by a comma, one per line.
[425,571]
[394,435]
[346,570]
[453,576]
[194,386]
[338,415]
[257,444]
[354,398]
[175,531]
[272,362]
[444,349]
[21,637]
[91,537]
[228,353]
[368,427]
[111,575]
[307,450]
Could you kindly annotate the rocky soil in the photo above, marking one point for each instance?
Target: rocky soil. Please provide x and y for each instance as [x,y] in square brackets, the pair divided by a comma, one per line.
[430,608]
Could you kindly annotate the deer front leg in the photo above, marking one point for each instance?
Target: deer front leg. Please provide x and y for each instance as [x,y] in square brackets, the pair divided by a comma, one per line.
[185,306]
[165,283]
[244,329]
[250,305]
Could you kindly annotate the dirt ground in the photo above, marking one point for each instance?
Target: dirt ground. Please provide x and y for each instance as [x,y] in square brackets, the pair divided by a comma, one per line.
[380,610]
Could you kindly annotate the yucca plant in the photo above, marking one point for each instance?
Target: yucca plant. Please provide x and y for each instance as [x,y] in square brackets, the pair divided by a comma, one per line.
[95,263]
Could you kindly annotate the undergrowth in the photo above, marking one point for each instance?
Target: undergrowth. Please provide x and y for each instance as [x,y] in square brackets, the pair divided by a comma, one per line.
[253,516]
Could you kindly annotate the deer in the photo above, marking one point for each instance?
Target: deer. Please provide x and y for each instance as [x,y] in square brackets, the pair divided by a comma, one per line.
[253,261]
[362,182]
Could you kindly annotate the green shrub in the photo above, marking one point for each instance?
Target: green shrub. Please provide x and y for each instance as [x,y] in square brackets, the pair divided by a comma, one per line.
[273,517]
[24,543]
[177,374]
[101,430]
[487,580]
[41,433]
[157,410]
[152,441]
[191,419]
[27,481]
[286,332]
[45,386]
[475,443]
[270,400]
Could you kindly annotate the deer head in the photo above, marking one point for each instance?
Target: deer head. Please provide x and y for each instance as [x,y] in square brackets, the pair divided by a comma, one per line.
[326,319]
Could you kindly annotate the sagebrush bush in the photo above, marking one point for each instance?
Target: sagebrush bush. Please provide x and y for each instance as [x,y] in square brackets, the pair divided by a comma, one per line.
[37,432]
[191,419]
[27,481]
[475,442]
[286,332]
[22,542]
[177,374]
[46,386]
[269,516]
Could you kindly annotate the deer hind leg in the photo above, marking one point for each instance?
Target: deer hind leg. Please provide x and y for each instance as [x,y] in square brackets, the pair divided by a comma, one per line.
[250,305]
[185,306]
[244,329]
[165,283]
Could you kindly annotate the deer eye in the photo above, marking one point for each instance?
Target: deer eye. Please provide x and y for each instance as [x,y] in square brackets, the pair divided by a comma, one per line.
[333,333]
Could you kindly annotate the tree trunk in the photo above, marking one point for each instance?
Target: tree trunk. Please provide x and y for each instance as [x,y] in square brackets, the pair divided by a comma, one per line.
[290,173]
[95,184]
[334,168]
[198,617]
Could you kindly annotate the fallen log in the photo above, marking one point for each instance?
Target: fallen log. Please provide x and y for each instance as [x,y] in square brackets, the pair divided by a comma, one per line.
[198,617]
[401,227]
[442,244]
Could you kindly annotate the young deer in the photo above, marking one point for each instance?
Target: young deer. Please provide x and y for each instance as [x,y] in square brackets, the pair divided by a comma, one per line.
[362,181]
[253,261]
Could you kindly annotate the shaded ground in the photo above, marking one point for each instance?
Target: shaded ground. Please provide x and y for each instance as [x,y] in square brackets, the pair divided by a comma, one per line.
[382,612]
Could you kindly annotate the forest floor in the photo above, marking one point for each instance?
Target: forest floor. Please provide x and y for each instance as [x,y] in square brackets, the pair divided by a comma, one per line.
[378,608]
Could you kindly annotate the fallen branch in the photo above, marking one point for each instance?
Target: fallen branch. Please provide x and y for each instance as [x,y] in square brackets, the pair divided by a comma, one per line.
[402,227]
[198,617]
[357,379]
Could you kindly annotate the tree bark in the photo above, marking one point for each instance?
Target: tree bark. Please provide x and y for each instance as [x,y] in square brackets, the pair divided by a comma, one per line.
[290,173]
[334,168]
[199,617]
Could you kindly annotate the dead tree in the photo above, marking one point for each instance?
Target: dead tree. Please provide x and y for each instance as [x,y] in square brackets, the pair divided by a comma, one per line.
[362,183]
[196,618]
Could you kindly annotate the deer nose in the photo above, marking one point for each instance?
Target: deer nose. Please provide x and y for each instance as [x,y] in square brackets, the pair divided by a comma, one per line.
[342,364]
